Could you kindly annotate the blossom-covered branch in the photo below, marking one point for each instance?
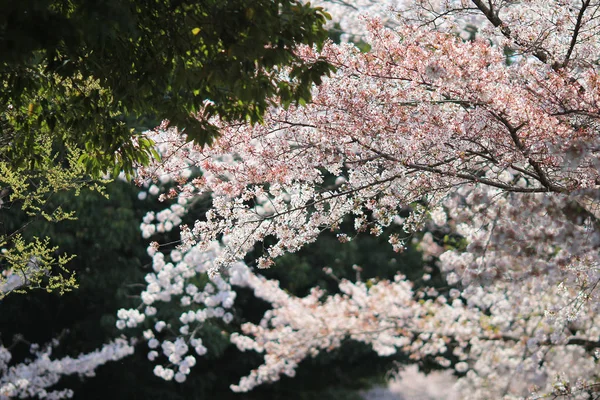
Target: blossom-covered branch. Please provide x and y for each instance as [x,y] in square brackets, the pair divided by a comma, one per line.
[35,378]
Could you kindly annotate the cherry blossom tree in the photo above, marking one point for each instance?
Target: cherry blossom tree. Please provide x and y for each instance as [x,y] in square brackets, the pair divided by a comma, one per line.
[493,140]
[490,142]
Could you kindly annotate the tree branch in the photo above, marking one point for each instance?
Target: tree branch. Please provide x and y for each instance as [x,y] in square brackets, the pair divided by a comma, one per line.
[541,175]
[584,6]
[497,22]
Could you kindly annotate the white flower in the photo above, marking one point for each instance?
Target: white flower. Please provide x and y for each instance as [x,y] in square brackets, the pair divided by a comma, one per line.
[159,326]
[153,190]
[180,377]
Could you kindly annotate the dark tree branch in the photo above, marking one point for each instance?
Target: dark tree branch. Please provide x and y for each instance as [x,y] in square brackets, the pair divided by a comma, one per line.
[497,22]
[541,175]
[584,5]
[433,168]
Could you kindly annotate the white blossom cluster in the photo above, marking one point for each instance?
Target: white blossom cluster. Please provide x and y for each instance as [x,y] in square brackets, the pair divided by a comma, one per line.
[346,15]
[34,378]
[177,278]
[163,221]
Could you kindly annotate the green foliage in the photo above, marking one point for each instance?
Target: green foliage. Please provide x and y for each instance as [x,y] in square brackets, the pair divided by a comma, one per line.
[110,256]
[32,262]
[86,73]
[454,242]
[365,257]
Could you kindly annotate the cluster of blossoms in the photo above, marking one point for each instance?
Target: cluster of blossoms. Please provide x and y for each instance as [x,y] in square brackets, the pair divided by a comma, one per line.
[163,221]
[454,16]
[32,378]
[181,277]
[501,151]
[346,15]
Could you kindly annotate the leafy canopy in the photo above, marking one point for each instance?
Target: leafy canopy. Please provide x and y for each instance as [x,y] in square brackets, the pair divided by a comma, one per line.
[92,75]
